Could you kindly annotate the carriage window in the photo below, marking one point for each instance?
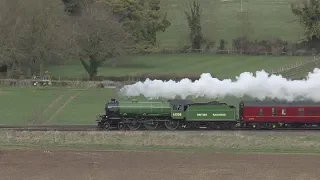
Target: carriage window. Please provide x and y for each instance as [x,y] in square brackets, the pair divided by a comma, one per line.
[260,111]
[284,112]
[309,112]
[301,111]
[315,112]
[274,112]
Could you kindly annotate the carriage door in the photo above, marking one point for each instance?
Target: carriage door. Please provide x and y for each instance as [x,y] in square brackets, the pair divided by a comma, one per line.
[275,111]
[177,112]
[283,111]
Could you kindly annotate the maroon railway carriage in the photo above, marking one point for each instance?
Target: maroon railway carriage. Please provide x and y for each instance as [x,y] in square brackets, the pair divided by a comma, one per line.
[273,114]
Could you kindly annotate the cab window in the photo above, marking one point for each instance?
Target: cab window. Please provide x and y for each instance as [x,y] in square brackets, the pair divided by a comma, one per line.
[177,107]
[260,111]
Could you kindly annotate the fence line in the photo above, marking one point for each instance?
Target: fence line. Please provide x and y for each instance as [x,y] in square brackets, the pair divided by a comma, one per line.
[293,66]
[299,52]
[301,71]
[68,84]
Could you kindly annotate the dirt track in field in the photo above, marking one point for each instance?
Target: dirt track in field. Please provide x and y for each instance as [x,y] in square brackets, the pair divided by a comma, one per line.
[69,165]
[2,92]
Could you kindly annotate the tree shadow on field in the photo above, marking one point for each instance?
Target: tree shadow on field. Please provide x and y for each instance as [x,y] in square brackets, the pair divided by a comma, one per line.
[126,62]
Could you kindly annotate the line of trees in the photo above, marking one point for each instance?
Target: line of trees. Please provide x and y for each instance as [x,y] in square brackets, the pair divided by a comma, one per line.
[36,33]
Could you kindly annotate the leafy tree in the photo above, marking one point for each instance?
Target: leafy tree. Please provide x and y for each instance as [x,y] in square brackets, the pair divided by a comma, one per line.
[142,18]
[156,22]
[92,66]
[98,36]
[308,13]
[194,22]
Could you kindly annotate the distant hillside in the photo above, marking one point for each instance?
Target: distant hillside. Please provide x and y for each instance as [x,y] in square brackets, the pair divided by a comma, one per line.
[221,21]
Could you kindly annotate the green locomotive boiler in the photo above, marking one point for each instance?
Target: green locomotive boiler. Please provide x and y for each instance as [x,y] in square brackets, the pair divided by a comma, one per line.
[172,114]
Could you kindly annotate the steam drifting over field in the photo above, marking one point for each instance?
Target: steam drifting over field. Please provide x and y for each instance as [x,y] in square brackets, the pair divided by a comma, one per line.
[260,86]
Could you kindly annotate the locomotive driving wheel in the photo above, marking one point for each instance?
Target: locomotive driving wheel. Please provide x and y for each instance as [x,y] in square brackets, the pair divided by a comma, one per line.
[151,124]
[134,125]
[121,126]
[172,124]
[107,126]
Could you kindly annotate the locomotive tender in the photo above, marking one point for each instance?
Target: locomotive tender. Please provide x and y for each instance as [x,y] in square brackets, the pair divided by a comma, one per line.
[175,114]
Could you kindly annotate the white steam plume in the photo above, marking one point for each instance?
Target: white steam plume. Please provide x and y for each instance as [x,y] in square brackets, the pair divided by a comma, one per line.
[260,86]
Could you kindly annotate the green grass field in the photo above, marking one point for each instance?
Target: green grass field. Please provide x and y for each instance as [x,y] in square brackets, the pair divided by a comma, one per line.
[220,20]
[221,66]
[21,106]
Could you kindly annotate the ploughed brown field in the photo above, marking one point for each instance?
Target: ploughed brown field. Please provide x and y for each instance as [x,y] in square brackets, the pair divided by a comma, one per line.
[121,165]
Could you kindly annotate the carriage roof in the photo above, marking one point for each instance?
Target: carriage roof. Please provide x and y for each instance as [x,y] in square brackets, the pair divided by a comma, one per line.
[280,103]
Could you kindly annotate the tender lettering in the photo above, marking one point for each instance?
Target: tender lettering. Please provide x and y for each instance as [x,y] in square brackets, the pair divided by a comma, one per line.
[202,114]
[219,114]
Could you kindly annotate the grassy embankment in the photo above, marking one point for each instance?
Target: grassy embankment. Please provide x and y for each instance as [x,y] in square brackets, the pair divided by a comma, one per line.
[235,142]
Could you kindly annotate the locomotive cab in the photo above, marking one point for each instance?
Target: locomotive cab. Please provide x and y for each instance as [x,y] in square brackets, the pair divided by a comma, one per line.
[179,107]
[112,107]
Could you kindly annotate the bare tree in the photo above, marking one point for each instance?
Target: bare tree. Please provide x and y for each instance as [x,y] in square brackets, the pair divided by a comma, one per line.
[98,35]
[11,26]
[32,33]
[47,31]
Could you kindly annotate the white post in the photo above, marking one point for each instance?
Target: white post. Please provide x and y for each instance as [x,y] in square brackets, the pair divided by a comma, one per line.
[8,137]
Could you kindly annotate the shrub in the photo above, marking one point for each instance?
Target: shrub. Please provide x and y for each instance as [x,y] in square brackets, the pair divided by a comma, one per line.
[275,46]
[221,48]
[100,85]
[164,77]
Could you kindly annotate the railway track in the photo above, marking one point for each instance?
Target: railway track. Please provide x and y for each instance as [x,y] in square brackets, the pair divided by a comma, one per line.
[94,128]
[51,128]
